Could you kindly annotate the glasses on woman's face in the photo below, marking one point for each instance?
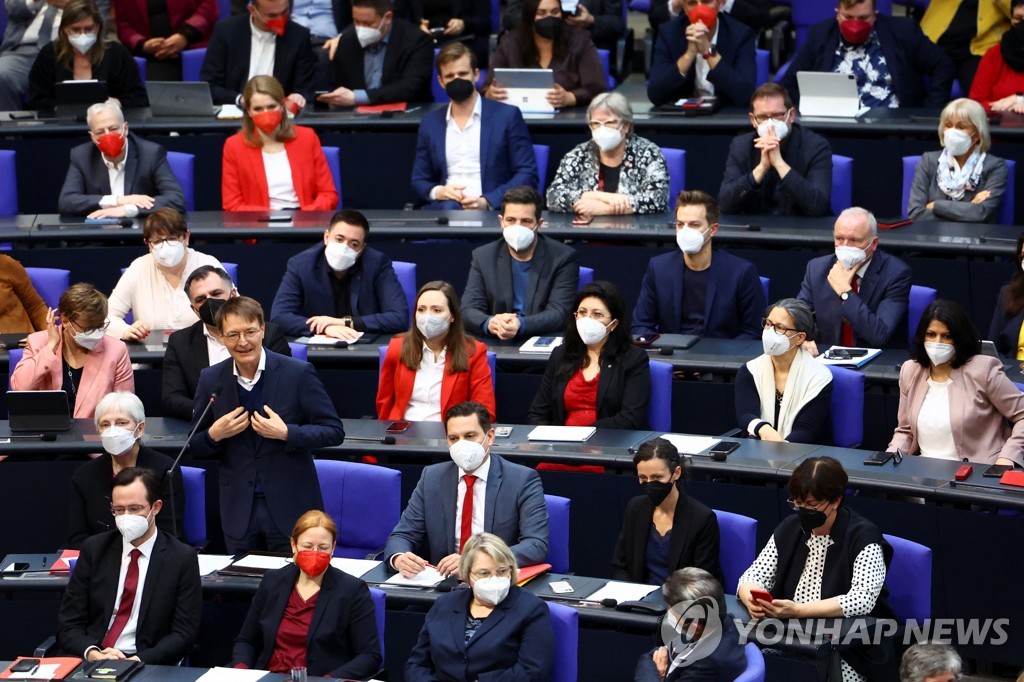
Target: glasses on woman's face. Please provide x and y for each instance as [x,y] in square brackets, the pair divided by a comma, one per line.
[503,572]
[82,330]
[779,329]
[157,241]
[593,314]
[613,123]
[805,504]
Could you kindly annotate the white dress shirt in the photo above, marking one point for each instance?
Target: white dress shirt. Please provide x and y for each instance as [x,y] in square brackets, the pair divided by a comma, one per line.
[280,185]
[261,54]
[934,430]
[31,34]
[115,172]
[462,152]
[425,401]
[126,641]
[703,87]
[217,351]
[145,292]
[479,499]
[247,384]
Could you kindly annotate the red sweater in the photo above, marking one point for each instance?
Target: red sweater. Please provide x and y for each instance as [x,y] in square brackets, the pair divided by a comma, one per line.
[995,80]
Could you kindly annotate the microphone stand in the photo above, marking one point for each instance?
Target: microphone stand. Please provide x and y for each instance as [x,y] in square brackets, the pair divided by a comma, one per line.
[169,475]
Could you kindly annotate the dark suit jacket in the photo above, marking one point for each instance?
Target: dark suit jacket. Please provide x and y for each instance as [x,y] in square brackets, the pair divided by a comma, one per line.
[806,189]
[408,65]
[515,642]
[733,307]
[623,391]
[293,390]
[754,13]
[553,282]
[908,52]
[514,510]
[506,152]
[605,31]
[186,356]
[1005,331]
[117,68]
[378,302]
[146,171]
[90,496]
[342,640]
[477,15]
[694,541]
[226,66]
[171,606]
[878,313]
[724,664]
[733,78]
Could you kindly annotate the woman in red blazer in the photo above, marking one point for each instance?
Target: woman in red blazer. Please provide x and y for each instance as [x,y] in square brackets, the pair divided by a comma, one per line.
[434,365]
[272,164]
[160,31]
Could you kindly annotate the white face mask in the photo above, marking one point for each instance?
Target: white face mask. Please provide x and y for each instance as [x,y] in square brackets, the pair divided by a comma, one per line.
[591,331]
[468,455]
[690,240]
[82,42]
[850,256]
[132,527]
[169,254]
[781,128]
[607,138]
[774,343]
[939,353]
[957,142]
[432,326]
[117,440]
[369,36]
[339,256]
[492,590]
[89,340]
[518,238]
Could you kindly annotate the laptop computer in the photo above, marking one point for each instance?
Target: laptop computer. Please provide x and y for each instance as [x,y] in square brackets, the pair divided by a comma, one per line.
[38,411]
[829,95]
[171,98]
[527,88]
[73,98]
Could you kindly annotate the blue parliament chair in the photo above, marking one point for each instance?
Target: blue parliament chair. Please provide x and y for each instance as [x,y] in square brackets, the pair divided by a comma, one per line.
[379,598]
[333,155]
[541,152]
[565,626]
[8,183]
[605,57]
[842,183]
[223,9]
[737,547]
[558,532]
[642,6]
[194,480]
[847,407]
[754,671]
[231,269]
[49,283]
[13,358]
[1006,209]
[492,360]
[659,409]
[183,166]
[675,159]
[920,299]
[586,277]
[365,502]
[140,62]
[762,59]
[192,64]
[766,285]
[300,351]
[909,579]
[406,273]
[495,16]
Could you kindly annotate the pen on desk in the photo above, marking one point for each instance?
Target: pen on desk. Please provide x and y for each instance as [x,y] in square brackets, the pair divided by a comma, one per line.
[409,111]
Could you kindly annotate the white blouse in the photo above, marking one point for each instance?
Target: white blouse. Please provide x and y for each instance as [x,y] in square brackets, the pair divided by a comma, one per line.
[934,432]
[425,401]
[279,181]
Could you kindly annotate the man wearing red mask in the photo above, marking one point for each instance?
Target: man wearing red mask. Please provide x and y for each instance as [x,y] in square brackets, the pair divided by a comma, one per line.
[703,52]
[890,57]
[117,175]
[264,42]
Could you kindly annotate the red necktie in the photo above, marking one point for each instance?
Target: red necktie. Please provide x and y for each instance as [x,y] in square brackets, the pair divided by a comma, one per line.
[467,512]
[847,329]
[124,609]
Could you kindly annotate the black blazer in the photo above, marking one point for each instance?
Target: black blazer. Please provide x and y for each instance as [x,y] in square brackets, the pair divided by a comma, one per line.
[408,65]
[476,14]
[146,171]
[171,608]
[342,640]
[117,68]
[1005,331]
[90,496]
[605,31]
[623,391]
[695,539]
[187,356]
[226,66]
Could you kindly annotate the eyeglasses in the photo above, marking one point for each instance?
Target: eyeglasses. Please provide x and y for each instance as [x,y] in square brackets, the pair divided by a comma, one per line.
[91,30]
[595,315]
[171,241]
[614,124]
[794,505]
[779,329]
[248,335]
[81,330]
[100,132]
[781,118]
[503,572]
[134,509]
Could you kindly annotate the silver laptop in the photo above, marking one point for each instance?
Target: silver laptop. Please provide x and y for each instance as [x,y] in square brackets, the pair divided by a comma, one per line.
[527,88]
[829,95]
[171,98]
[38,411]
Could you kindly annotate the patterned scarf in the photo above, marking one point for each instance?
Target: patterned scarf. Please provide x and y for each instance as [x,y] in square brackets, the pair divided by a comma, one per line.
[954,180]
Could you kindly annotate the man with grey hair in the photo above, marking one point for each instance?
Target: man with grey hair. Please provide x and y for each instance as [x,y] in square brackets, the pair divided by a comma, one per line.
[930,663]
[117,175]
[859,294]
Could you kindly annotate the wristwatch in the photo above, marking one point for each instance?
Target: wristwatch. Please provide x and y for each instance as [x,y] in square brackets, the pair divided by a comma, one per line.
[845,295]
[1020,98]
[712,51]
[347,321]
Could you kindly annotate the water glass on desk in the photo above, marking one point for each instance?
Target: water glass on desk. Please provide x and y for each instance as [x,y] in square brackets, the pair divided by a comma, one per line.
[298,675]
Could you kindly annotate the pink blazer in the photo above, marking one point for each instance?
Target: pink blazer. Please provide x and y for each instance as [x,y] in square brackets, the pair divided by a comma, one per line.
[981,402]
[106,369]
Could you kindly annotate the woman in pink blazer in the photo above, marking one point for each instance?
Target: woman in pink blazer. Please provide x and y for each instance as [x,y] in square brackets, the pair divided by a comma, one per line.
[954,402]
[75,355]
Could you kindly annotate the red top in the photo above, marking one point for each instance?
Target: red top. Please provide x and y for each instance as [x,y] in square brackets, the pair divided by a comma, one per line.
[581,400]
[995,80]
[292,633]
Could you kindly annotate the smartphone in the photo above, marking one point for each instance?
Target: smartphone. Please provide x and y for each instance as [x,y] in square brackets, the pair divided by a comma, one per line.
[502,431]
[693,103]
[761,595]
[439,31]
[544,341]
[397,427]
[276,218]
[878,458]
[645,341]
[25,665]
[724,447]
[997,470]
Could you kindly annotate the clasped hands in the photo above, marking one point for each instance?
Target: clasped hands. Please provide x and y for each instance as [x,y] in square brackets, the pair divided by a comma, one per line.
[591,204]
[504,325]
[453,192]
[238,420]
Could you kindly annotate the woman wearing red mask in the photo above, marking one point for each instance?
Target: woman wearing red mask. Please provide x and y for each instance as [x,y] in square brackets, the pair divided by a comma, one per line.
[310,614]
[272,164]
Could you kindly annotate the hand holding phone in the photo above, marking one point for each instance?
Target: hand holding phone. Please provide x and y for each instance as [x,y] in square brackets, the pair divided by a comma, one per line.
[762,595]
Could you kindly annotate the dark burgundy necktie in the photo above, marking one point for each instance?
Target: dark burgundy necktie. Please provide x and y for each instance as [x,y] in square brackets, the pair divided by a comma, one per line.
[467,512]
[124,609]
[847,329]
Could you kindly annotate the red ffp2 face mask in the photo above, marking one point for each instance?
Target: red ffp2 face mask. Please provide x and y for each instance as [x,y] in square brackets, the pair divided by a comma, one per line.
[855,31]
[706,14]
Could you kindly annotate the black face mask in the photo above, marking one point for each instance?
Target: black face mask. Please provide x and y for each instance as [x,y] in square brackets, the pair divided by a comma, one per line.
[459,89]
[548,27]
[811,519]
[657,491]
[208,311]
[1012,48]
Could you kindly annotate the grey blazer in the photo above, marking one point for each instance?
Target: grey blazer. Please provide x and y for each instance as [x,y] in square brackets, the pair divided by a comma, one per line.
[19,18]
[925,189]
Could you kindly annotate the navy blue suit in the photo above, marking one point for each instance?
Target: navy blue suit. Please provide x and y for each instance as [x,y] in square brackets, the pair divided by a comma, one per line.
[377,302]
[285,469]
[733,78]
[733,307]
[514,643]
[908,52]
[877,313]
[506,153]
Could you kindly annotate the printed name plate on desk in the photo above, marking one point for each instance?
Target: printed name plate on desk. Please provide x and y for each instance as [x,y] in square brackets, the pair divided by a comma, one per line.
[848,356]
[541,344]
[562,434]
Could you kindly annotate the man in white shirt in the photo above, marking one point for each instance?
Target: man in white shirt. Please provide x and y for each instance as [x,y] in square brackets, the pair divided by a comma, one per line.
[101,616]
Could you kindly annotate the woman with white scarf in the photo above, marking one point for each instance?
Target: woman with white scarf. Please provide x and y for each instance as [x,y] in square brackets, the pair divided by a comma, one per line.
[963,182]
[785,395]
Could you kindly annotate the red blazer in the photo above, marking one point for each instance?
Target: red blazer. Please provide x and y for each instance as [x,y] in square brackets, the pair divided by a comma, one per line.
[244,179]
[133,20]
[396,382]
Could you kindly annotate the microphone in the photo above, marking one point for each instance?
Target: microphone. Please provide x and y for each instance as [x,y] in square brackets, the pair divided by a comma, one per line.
[448,584]
[114,222]
[169,474]
[666,350]
[386,440]
[607,602]
[45,437]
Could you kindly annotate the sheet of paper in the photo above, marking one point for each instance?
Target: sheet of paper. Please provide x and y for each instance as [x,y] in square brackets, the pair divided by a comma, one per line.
[354,567]
[229,111]
[564,434]
[43,672]
[621,592]
[267,563]
[428,577]
[210,563]
[232,675]
[323,340]
[690,445]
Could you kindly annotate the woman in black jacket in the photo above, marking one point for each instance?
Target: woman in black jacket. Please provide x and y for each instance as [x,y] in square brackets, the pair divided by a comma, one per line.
[1008,317]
